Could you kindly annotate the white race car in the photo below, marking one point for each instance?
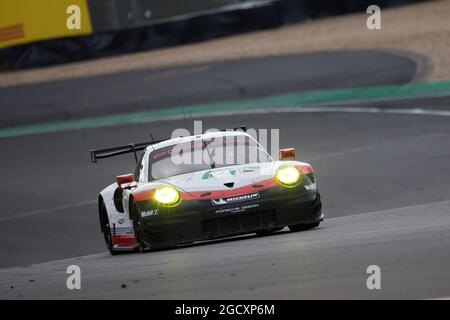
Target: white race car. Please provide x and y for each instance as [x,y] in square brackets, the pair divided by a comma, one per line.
[204,187]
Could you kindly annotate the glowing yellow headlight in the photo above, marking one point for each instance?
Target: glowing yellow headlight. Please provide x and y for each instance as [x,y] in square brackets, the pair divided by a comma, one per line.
[167,195]
[288,176]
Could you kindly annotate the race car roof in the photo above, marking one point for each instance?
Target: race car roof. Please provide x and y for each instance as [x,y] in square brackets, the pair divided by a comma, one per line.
[209,135]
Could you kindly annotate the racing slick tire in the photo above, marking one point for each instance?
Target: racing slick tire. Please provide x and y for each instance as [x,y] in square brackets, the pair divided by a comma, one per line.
[266,232]
[136,228]
[107,230]
[304,226]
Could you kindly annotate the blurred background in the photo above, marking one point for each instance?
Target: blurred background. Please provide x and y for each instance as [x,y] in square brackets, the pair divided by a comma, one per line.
[369,109]
[34,33]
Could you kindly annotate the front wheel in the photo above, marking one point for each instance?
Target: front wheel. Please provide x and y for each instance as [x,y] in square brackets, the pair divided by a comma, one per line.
[137,228]
[303,226]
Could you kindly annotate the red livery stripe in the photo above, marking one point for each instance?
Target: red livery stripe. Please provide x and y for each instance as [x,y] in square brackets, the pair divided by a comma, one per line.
[147,194]
[143,195]
[212,194]
[305,168]
[124,239]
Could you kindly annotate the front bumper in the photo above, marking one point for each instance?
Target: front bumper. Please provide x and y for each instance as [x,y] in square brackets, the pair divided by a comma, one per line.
[197,220]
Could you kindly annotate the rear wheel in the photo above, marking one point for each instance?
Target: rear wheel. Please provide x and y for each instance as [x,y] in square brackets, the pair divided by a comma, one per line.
[266,232]
[106,229]
[303,226]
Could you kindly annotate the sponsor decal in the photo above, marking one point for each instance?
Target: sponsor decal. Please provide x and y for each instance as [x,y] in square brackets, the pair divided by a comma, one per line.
[218,173]
[207,175]
[123,230]
[250,168]
[121,221]
[235,199]
[311,187]
[148,213]
[238,209]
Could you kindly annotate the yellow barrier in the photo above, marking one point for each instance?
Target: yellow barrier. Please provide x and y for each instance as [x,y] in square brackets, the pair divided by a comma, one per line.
[23,21]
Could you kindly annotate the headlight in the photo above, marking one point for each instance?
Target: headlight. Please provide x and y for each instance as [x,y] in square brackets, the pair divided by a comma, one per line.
[288,176]
[167,195]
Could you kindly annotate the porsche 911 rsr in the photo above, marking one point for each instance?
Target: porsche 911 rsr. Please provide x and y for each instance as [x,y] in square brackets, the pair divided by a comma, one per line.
[204,187]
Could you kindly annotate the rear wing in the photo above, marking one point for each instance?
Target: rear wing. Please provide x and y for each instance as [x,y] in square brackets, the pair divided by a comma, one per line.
[133,148]
[116,151]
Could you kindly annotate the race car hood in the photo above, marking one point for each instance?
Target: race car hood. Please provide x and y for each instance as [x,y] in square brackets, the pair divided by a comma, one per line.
[218,182]
[226,178]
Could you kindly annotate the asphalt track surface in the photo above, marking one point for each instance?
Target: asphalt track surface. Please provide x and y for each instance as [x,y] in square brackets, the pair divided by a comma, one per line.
[368,165]
[201,83]
[410,245]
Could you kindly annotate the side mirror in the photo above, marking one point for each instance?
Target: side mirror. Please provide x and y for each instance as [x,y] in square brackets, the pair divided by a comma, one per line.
[287,154]
[124,179]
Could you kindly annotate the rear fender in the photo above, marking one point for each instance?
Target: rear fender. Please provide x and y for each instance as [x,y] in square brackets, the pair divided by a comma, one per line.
[119,221]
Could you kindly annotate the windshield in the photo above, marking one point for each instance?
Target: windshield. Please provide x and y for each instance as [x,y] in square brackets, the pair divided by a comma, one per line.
[201,155]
